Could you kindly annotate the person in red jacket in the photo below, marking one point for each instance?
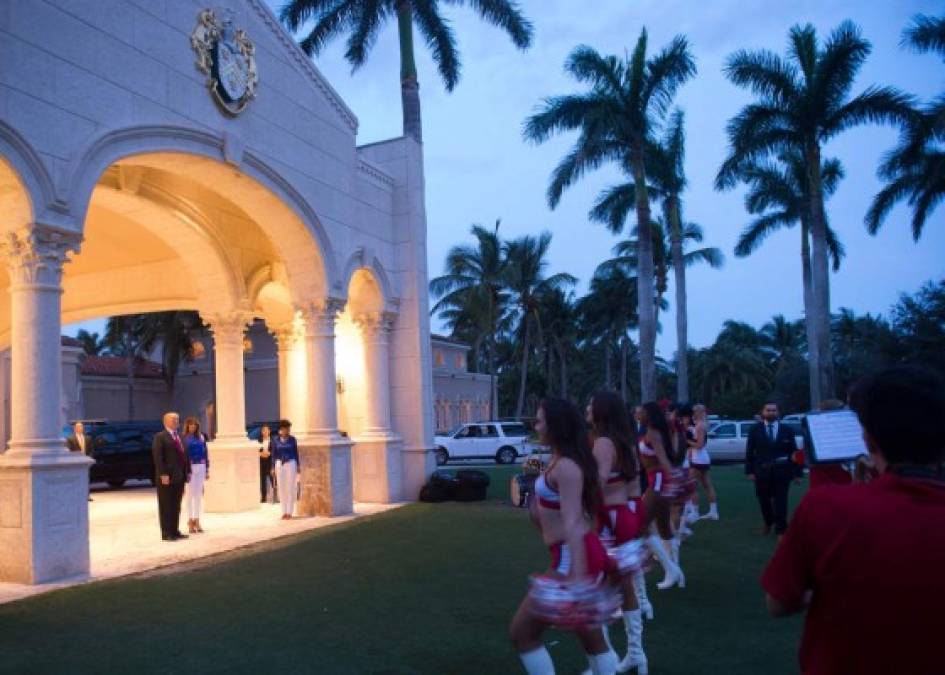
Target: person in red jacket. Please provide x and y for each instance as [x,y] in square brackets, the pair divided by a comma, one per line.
[866,560]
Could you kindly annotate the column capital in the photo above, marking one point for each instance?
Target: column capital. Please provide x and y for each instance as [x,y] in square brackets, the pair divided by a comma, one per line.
[375,324]
[319,316]
[286,336]
[35,255]
[228,328]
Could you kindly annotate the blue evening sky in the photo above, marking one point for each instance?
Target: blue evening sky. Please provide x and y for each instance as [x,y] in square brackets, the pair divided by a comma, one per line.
[479,169]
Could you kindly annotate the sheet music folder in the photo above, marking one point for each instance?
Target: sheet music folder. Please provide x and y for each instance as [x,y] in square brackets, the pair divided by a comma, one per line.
[833,436]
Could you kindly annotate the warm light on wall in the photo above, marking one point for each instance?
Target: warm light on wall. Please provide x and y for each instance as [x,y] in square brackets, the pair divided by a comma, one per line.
[340,384]
[247,345]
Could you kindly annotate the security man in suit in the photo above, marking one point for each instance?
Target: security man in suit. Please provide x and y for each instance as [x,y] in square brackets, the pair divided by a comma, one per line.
[172,469]
[768,463]
[79,442]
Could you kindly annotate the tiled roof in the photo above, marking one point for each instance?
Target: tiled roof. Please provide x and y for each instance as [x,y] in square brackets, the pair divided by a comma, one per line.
[117,366]
[445,338]
[70,342]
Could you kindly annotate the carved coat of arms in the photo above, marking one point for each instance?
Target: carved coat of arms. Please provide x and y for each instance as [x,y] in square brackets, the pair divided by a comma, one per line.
[228,58]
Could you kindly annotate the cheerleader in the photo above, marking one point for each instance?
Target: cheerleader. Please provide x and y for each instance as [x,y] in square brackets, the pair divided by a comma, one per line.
[656,449]
[619,468]
[699,464]
[566,493]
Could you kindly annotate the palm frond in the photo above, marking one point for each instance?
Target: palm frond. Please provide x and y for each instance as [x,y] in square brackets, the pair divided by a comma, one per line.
[440,39]
[764,72]
[927,33]
[365,23]
[505,15]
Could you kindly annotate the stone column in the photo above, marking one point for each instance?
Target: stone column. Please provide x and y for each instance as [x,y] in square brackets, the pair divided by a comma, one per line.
[287,338]
[234,462]
[377,451]
[376,328]
[44,519]
[325,455]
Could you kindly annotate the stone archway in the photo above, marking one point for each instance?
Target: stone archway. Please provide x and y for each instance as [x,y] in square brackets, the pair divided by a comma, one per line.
[363,351]
[161,228]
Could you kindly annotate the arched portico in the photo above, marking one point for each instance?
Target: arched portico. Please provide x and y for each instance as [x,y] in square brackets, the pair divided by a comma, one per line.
[166,230]
[139,194]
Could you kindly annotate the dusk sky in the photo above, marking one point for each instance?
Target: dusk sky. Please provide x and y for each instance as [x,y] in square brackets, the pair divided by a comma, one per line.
[479,169]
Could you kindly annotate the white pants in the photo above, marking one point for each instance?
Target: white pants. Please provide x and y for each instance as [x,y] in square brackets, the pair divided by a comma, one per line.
[194,493]
[288,472]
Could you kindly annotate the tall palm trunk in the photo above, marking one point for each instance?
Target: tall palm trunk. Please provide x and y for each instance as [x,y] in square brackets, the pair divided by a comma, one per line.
[493,389]
[820,275]
[812,360]
[682,317]
[608,376]
[523,377]
[624,348]
[563,368]
[130,371]
[409,85]
[646,305]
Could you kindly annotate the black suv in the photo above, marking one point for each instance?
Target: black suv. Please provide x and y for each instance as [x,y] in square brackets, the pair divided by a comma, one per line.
[121,450]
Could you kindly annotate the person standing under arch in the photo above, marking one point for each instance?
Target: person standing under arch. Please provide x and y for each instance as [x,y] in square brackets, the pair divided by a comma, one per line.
[172,471]
[285,453]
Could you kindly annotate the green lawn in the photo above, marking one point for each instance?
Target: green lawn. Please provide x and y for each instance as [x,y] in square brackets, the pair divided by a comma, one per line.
[423,589]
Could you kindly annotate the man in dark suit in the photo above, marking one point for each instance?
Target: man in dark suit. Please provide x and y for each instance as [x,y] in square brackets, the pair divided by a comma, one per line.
[79,442]
[768,462]
[172,469]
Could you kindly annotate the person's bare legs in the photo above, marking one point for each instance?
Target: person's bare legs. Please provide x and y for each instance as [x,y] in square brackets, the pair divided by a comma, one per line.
[525,632]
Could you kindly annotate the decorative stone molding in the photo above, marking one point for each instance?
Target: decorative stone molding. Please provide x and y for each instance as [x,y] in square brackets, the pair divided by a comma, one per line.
[375,324]
[34,256]
[305,63]
[286,336]
[319,316]
[228,329]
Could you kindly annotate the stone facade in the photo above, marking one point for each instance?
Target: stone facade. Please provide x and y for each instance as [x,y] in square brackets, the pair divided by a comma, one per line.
[125,187]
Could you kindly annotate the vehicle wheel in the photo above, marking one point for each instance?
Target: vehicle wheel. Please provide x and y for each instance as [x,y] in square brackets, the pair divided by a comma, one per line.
[442,457]
[116,483]
[505,455]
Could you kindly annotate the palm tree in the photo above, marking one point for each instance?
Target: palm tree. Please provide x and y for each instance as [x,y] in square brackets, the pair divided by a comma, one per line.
[92,344]
[803,102]
[475,276]
[669,178]
[778,194]
[616,119]
[625,253]
[363,19]
[782,339]
[559,321]
[915,170]
[526,282]
[608,312]
[130,336]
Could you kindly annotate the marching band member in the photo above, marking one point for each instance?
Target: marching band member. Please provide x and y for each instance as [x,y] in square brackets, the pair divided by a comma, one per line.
[567,493]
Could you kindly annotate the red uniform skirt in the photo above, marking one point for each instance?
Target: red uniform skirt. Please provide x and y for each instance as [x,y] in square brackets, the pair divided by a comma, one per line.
[619,522]
[594,554]
[636,505]
[656,480]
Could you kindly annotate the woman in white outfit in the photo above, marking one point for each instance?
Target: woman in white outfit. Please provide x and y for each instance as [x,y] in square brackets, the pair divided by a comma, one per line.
[285,452]
[699,464]
[196,446]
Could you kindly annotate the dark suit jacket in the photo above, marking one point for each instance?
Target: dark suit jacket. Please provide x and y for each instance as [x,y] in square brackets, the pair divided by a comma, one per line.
[73,444]
[168,461]
[760,451]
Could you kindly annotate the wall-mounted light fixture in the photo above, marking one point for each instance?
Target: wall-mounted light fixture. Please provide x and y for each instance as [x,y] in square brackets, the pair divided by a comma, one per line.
[340,384]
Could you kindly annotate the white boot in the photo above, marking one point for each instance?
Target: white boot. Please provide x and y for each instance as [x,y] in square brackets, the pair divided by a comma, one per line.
[690,514]
[674,574]
[674,545]
[639,585]
[713,513]
[603,664]
[605,629]
[635,658]
[537,662]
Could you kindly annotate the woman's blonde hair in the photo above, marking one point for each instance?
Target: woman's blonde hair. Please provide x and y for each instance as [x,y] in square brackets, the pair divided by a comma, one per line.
[188,422]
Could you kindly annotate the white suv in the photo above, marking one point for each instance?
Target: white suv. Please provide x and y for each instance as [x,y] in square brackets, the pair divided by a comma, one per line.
[502,441]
